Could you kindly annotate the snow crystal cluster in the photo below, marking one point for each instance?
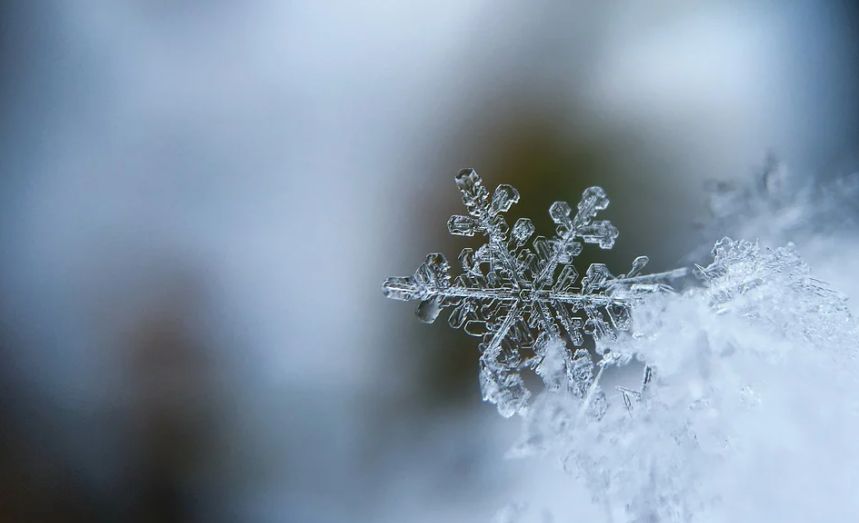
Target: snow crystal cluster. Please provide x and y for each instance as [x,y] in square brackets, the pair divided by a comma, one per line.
[749,396]
[743,406]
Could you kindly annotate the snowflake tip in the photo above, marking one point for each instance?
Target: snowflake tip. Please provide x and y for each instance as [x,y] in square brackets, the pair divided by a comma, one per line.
[504,197]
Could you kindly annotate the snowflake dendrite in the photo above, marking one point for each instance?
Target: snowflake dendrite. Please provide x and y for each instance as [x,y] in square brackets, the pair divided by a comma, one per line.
[517,293]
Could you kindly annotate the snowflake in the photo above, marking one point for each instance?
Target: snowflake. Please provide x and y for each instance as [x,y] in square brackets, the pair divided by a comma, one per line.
[518,297]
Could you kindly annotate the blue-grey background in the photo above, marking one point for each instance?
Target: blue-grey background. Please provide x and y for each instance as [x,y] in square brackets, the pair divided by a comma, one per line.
[199,201]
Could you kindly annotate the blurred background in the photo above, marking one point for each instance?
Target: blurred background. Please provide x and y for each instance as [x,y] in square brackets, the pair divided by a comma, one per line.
[199,202]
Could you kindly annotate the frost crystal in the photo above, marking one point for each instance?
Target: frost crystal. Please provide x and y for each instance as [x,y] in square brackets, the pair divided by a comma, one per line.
[741,278]
[518,294]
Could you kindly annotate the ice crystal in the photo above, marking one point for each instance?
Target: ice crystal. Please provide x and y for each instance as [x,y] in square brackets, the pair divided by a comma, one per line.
[518,293]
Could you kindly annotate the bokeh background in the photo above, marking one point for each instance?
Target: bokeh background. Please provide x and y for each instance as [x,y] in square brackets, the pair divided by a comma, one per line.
[200,200]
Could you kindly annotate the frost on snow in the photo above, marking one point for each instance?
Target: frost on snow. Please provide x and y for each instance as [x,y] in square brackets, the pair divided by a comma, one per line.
[746,409]
[750,397]
[752,400]
[518,294]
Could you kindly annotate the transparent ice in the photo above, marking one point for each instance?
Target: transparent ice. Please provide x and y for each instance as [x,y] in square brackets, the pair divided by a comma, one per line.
[518,293]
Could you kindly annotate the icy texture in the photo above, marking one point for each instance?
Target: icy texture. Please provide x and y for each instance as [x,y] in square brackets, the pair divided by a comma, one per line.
[743,403]
[748,409]
[741,278]
[524,298]
[779,207]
